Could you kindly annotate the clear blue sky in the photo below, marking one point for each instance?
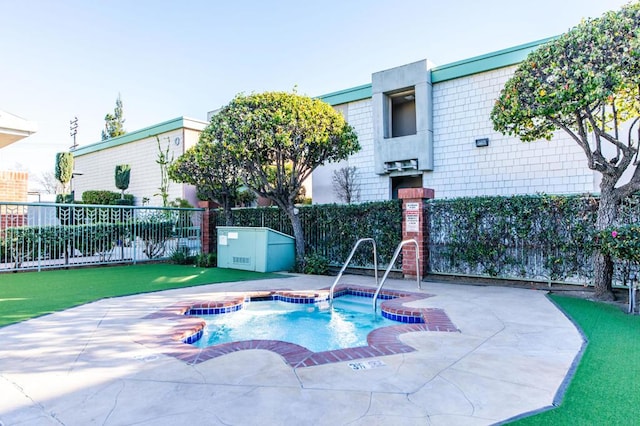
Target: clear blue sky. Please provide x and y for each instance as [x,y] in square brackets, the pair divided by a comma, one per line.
[66,58]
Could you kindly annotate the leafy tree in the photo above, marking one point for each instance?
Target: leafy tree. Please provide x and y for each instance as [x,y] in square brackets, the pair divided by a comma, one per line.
[64,168]
[114,123]
[278,139]
[346,184]
[585,83]
[208,166]
[122,177]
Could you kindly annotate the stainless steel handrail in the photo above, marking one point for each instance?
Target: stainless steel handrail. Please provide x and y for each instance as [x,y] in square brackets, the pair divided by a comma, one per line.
[355,247]
[386,273]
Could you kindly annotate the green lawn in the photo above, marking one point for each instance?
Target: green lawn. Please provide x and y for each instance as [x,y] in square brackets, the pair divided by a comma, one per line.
[31,294]
[606,387]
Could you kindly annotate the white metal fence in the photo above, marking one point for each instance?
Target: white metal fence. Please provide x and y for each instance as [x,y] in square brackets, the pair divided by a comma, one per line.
[34,236]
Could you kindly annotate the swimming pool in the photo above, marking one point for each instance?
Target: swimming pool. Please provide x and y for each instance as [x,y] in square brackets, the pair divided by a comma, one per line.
[186,325]
[318,326]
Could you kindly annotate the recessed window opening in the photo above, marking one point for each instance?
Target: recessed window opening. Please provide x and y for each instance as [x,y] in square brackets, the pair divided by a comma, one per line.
[401,182]
[401,120]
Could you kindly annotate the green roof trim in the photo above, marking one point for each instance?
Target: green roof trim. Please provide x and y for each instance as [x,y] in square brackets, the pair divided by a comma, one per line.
[490,61]
[156,129]
[348,95]
[477,64]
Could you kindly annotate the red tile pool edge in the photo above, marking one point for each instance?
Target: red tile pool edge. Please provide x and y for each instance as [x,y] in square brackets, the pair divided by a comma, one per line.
[382,341]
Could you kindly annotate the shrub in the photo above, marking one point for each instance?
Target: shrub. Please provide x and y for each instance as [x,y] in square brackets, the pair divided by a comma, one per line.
[206,260]
[108,198]
[181,257]
[126,201]
[154,231]
[316,264]
[621,242]
[21,244]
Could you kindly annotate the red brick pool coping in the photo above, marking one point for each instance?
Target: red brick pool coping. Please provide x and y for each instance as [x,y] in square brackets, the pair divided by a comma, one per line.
[382,341]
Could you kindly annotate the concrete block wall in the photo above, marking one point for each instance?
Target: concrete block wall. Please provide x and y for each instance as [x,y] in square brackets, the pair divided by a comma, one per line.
[462,109]
[461,114]
[98,168]
[373,187]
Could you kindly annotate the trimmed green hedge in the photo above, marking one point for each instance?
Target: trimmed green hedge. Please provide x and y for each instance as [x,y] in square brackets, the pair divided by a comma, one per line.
[533,237]
[50,242]
[108,198]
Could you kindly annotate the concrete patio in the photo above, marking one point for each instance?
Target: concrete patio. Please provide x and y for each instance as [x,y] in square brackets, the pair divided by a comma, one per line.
[85,366]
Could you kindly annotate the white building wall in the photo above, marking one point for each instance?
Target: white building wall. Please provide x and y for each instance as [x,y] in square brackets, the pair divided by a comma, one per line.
[191,137]
[462,109]
[372,186]
[98,168]
[461,114]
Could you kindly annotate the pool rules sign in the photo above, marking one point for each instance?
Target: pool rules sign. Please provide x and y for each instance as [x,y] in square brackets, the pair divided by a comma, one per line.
[412,217]
[415,217]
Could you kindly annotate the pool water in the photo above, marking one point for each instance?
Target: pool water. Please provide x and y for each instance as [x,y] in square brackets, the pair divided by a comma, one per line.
[317,327]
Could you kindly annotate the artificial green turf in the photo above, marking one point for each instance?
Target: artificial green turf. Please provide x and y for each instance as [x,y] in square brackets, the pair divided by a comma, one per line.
[31,294]
[606,387]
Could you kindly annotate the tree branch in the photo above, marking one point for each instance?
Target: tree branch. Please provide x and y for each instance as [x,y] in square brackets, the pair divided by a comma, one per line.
[581,139]
[629,188]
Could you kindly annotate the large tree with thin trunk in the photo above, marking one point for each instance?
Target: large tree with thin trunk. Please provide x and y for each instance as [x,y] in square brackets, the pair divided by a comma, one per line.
[208,166]
[278,139]
[585,83]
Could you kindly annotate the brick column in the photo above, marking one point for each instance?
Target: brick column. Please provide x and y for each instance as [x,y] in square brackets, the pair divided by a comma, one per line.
[13,188]
[207,226]
[415,225]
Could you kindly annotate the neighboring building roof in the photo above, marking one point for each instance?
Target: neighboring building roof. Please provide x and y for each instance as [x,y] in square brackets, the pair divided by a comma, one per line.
[465,67]
[136,135]
[14,128]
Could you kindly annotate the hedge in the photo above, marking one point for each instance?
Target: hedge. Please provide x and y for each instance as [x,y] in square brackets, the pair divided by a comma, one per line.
[51,242]
[331,230]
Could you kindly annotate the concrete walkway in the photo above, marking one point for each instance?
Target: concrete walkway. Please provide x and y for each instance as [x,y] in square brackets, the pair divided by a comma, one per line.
[84,366]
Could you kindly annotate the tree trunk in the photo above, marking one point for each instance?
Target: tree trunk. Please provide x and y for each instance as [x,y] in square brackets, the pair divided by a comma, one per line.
[228,213]
[298,234]
[603,265]
[603,274]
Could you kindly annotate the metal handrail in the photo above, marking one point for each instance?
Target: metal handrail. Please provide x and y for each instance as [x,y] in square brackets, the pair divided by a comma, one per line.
[355,247]
[395,256]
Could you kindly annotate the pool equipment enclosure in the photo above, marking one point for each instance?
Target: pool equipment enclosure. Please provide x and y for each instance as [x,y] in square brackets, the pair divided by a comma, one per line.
[255,249]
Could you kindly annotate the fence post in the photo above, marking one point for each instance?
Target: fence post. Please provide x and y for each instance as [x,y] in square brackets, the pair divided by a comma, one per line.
[415,225]
[206,224]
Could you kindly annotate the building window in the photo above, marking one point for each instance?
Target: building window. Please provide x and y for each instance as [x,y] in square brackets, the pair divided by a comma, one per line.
[401,113]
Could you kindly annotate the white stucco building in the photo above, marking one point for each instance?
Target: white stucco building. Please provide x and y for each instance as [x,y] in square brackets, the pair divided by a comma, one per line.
[429,126]
[95,164]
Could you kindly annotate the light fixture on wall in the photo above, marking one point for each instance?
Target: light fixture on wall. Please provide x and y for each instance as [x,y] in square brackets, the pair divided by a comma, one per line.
[482,142]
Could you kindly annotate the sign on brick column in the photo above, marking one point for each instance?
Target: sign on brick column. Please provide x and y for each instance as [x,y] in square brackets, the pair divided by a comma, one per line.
[415,225]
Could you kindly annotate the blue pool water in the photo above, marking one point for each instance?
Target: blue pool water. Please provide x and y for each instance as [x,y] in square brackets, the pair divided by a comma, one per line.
[317,327]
